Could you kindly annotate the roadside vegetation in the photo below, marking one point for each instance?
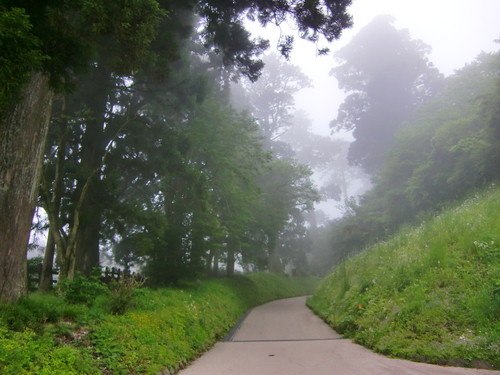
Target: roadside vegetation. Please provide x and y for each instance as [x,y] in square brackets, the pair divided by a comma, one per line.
[430,293]
[92,329]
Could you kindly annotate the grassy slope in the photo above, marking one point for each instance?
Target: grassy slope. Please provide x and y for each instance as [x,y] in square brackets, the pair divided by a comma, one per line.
[431,293]
[166,329]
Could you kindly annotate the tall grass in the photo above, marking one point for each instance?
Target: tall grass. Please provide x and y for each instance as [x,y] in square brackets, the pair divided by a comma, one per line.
[430,293]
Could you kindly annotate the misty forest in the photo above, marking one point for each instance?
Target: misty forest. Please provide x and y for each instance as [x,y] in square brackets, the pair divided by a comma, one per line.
[160,137]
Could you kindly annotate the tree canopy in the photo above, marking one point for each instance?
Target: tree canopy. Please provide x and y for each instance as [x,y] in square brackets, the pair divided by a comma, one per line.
[110,63]
[449,150]
[387,75]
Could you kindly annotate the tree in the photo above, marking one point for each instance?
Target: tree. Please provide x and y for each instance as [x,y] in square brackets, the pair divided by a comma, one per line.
[272,100]
[67,36]
[287,190]
[449,150]
[272,97]
[326,156]
[60,44]
[388,75]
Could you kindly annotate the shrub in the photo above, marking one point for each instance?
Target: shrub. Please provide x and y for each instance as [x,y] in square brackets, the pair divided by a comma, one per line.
[31,312]
[83,289]
[123,292]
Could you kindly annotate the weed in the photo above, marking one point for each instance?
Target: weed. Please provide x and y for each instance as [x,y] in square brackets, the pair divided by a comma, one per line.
[123,292]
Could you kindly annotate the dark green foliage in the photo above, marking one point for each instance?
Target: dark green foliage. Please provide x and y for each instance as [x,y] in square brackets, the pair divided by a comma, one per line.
[31,312]
[449,151]
[224,30]
[66,35]
[21,54]
[83,289]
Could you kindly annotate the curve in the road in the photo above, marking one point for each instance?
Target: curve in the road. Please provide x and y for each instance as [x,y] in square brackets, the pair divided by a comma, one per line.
[285,337]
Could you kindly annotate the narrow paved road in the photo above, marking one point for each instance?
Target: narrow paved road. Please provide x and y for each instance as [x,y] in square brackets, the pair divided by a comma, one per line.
[285,338]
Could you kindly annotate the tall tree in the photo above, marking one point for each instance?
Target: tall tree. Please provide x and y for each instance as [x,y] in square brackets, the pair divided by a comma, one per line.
[449,150]
[67,34]
[63,34]
[272,100]
[387,75]
[287,190]
[327,156]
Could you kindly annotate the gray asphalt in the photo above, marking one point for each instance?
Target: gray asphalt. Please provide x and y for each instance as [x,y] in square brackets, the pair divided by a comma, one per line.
[285,337]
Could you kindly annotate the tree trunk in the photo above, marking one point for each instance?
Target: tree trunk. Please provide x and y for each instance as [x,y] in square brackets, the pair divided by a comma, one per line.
[94,143]
[87,243]
[48,264]
[231,245]
[215,269]
[208,265]
[230,262]
[55,201]
[23,131]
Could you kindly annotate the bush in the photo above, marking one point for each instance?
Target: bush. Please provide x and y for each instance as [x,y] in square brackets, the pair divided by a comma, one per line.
[83,289]
[123,292]
[32,312]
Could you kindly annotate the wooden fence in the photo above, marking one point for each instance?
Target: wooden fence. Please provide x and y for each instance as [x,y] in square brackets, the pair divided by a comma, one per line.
[107,275]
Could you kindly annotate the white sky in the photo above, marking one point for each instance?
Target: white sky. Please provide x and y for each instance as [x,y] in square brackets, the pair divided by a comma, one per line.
[457,30]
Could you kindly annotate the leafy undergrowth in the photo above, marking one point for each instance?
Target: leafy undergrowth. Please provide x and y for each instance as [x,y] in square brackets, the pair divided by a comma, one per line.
[163,331]
[430,294]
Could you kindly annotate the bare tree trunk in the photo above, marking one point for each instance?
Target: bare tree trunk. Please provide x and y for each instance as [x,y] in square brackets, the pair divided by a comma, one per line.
[23,131]
[67,250]
[55,201]
[208,265]
[87,242]
[275,264]
[230,262]
[48,264]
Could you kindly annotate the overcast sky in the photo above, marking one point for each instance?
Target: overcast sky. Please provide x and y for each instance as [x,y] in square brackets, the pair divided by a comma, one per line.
[457,30]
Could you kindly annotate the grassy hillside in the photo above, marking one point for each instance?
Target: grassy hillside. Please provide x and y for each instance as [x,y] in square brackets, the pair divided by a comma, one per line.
[166,329]
[431,293]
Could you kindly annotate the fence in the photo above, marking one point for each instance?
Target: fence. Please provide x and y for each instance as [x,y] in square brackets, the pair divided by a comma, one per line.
[107,275]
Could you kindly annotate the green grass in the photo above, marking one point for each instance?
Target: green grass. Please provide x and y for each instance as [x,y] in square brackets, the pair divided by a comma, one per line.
[166,329]
[430,293]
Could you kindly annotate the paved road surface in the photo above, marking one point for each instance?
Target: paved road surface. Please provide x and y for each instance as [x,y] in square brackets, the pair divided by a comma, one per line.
[285,338]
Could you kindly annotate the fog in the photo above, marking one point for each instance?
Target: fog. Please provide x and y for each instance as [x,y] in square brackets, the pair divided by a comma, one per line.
[457,31]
